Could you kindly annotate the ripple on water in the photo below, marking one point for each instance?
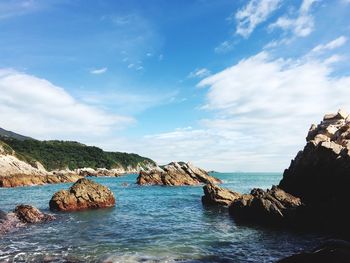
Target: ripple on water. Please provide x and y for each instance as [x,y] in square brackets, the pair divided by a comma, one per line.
[148,224]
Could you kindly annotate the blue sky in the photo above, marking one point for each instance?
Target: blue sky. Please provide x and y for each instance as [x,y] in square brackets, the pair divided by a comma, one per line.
[229,85]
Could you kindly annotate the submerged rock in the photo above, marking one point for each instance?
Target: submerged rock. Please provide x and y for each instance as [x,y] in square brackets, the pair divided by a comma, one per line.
[334,251]
[273,206]
[30,214]
[215,195]
[21,216]
[84,194]
[176,173]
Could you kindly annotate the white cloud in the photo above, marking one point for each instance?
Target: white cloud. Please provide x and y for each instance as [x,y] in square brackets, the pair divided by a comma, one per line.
[98,71]
[265,106]
[301,25]
[35,107]
[224,47]
[254,13]
[199,73]
[331,45]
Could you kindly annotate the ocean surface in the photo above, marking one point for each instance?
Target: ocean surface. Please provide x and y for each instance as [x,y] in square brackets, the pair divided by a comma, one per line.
[148,224]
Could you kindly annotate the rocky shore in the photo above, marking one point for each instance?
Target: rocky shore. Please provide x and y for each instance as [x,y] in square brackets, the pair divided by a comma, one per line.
[176,174]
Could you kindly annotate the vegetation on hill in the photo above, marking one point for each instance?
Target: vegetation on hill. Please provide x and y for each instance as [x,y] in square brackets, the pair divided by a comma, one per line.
[10,134]
[62,154]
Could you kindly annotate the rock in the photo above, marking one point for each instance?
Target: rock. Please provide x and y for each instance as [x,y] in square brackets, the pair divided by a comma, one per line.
[30,214]
[21,216]
[273,206]
[333,251]
[319,175]
[33,179]
[84,194]
[215,195]
[176,173]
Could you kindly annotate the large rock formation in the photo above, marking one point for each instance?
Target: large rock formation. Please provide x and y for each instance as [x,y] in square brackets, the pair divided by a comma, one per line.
[215,195]
[319,174]
[84,194]
[321,171]
[22,215]
[176,173]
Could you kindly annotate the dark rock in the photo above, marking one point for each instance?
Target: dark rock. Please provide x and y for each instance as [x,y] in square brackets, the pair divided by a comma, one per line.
[331,252]
[319,175]
[215,195]
[266,207]
[84,194]
[176,173]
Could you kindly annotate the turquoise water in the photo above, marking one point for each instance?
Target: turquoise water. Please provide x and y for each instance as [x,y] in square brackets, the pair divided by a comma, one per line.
[148,224]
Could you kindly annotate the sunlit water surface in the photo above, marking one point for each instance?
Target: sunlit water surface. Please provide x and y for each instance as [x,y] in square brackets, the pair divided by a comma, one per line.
[148,224]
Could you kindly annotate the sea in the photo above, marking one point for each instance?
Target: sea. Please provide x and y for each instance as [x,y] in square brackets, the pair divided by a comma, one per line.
[148,224]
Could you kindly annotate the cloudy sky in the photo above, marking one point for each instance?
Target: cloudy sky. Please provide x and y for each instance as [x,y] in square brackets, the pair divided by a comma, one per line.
[231,85]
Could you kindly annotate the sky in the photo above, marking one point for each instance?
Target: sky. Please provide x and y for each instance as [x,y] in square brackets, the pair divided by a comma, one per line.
[230,85]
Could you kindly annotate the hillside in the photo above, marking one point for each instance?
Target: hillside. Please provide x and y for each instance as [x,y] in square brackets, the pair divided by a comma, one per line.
[62,154]
[10,134]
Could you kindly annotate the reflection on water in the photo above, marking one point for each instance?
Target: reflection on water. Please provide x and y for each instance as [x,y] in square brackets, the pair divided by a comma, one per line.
[148,224]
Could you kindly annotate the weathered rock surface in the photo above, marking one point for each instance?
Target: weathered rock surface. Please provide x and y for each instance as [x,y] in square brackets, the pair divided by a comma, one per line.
[33,179]
[333,251]
[273,206]
[84,194]
[176,173]
[320,171]
[319,174]
[21,216]
[215,195]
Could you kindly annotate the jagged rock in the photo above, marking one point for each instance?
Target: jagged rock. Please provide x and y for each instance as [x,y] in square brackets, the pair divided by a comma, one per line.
[176,173]
[320,171]
[30,214]
[334,251]
[21,216]
[215,195]
[273,206]
[84,194]
[319,174]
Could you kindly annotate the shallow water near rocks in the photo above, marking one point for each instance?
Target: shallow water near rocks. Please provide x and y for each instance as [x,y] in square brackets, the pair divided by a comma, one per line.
[148,224]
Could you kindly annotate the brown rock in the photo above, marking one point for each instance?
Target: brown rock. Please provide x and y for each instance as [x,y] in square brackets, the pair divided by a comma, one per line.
[176,173]
[84,194]
[215,195]
[30,214]
[30,180]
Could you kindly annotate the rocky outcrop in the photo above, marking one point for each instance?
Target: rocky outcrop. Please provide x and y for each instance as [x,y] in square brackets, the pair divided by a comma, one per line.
[176,173]
[319,174]
[333,251]
[84,194]
[21,216]
[320,171]
[33,179]
[273,206]
[215,195]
